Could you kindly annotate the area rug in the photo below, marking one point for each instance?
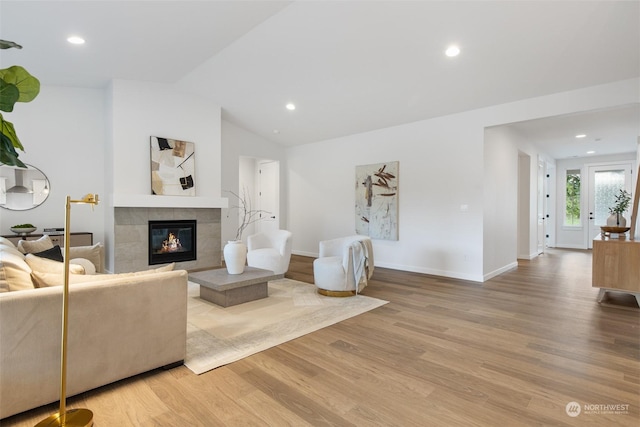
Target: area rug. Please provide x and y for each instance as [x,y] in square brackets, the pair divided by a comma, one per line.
[217,336]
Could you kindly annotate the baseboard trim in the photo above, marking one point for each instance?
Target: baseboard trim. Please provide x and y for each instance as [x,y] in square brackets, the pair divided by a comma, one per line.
[500,270]
[412,269]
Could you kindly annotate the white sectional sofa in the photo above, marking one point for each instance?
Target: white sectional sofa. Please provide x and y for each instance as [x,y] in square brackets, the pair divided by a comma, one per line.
[119,325]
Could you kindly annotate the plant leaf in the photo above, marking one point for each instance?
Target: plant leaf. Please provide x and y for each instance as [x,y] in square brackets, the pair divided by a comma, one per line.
[7,129]
[9,94]
[28,85]
[8,154]
[7,44]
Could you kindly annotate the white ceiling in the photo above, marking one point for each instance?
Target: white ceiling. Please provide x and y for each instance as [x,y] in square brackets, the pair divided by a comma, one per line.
[349,66]
[610,131]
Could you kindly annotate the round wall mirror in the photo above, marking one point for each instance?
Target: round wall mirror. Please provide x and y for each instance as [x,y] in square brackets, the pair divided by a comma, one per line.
[22,189]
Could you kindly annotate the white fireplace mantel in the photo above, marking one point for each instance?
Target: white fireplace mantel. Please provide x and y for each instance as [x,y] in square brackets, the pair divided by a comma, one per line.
[155,201]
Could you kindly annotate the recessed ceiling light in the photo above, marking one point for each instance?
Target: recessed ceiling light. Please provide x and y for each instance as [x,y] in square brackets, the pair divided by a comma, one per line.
[590,152]
[276,131]
[75,40]
[290,106]
[452,51]
[582,135]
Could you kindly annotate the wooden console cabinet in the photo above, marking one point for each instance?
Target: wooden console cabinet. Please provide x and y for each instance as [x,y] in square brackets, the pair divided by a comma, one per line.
[616,266]
[77,239]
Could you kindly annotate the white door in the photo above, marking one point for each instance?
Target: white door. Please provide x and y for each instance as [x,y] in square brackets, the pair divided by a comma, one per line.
[605,181]
[269,196]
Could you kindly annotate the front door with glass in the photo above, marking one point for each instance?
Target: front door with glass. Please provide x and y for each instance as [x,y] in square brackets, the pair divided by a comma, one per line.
[605,182]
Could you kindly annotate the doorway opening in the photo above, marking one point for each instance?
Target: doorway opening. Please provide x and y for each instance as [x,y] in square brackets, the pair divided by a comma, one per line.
[261,179]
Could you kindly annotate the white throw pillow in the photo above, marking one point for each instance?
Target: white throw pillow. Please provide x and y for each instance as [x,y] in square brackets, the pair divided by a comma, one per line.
[5,241]
[88,266]
[14,272]
[32,246]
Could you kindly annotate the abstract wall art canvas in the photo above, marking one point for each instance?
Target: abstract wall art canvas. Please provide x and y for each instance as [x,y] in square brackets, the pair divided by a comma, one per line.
[172,167]
[377,200]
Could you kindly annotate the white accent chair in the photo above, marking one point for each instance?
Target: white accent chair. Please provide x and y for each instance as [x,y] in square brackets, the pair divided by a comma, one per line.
[344,266]
[270,250]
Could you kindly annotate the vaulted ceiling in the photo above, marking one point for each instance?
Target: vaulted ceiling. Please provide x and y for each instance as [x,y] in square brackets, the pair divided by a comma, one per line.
[348,66]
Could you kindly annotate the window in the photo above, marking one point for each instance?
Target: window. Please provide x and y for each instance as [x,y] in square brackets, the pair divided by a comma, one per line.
[572,199]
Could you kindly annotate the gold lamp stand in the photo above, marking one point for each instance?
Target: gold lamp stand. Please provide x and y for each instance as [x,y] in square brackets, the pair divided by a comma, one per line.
[71,417]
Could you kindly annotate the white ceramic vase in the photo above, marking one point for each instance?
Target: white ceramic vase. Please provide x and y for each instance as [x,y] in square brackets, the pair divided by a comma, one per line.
[616,220]
[235,256]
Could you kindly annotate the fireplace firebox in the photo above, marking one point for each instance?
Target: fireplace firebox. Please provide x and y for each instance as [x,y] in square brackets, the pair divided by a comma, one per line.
[171,241]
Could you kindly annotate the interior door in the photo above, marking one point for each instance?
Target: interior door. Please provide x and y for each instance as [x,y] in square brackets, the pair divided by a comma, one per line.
[605,181]
[268,195]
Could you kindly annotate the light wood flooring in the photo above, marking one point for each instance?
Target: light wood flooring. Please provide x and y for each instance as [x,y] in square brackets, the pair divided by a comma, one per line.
[512,351]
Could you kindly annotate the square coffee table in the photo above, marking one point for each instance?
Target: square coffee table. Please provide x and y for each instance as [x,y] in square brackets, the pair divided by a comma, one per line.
[224,289]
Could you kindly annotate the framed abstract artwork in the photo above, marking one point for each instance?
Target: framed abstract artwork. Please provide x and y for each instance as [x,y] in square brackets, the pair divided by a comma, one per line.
[377,200]
[172,167]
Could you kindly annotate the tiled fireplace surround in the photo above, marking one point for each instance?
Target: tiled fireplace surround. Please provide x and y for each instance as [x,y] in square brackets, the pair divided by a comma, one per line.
[131,241]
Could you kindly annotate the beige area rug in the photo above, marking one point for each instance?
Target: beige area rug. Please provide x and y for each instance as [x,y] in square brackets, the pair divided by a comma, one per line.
[217,336]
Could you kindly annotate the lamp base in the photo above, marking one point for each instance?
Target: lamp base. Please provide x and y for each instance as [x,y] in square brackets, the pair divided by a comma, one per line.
[73,418]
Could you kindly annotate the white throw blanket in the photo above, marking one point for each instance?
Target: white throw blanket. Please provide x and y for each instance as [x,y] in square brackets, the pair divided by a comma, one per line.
[362,258]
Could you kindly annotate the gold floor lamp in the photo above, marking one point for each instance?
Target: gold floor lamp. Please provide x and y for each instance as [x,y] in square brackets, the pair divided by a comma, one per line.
[73,417]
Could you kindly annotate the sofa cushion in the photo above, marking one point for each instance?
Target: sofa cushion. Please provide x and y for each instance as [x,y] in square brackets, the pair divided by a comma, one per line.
[15,273]
[43,280]
[54,254]
[31,246]
[44,265]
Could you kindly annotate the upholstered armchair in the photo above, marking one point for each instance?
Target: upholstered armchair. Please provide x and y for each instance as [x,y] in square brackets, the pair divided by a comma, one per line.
[270,250]
[344,266]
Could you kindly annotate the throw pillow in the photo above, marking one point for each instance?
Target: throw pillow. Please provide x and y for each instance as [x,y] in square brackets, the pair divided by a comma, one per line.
[5,241]
[11,249]
[92,253]
[44,265]
[89,268]
[31,246]
[54,254]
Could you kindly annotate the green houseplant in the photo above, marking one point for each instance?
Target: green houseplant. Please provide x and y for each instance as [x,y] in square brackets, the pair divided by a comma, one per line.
[623,198]
[16,85]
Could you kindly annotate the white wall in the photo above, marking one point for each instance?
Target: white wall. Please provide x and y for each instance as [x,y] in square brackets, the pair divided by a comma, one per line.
[502,143]
[442,167]
[141,110]
[240,150]
[524,206]
[63,132]
[502,169]
[434,179]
